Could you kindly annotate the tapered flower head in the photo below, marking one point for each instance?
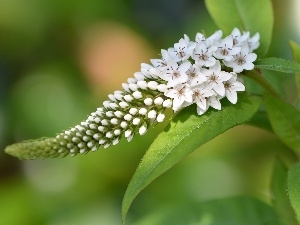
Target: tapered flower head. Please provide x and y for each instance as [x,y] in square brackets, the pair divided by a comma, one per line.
[201,72]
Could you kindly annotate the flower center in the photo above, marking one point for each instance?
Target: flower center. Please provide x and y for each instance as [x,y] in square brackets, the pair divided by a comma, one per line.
[181,52]
[241,60]
[213,78]
[192,74]
[175,74]
[226,85]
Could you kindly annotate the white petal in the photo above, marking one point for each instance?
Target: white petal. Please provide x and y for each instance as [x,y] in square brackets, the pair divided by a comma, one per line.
[215,103]
[231,96]
[248,66]
[238,86]
[219,88]
[235,50]
[228,42]
[224,76]
[201,111]
[171,93]
[177,102]
[251,57]
[216,67]
[201,104]
[199,37]
[184,67]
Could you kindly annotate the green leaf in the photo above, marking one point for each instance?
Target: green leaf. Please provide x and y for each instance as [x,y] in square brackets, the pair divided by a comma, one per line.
[261,120]
[186,132]
[278,64]
[228,211]
[285,121]
[245,15]
[296,54]
[294,187]
[280,198]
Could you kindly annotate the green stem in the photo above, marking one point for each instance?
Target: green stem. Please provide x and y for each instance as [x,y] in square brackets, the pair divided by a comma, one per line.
[253,74]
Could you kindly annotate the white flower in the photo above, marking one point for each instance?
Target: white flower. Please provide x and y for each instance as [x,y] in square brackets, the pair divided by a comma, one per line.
[189,73]
[200,94]
[226,50]
[214,101]
[203,55]
[200,38]
[195,76]
[231,87]
[161,63]
[242,61]
[180,93]
[182,50]
[214,38]
[176,74]
[253,42]
[238,38]
[216,77]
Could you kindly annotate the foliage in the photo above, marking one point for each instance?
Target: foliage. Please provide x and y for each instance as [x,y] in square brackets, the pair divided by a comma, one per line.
[262,106]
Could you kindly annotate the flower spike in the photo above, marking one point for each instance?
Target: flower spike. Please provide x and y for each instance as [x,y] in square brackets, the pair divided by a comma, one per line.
[190,72]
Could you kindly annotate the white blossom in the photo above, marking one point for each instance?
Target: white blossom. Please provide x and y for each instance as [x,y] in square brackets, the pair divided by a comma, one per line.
[203,54]
[182,50]
[200,94]
[161,63]
[231,87]
[214,38]
[176,74]
[216,77]
[242,61]
[195,77]
[180,93]
[239,38]
[188,73]
[253,42]
[226,50]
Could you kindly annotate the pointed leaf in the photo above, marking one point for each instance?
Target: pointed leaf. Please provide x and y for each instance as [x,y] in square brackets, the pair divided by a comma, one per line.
[261,120]
[280,199]
[186,133]
[294,187]
[278,64]
[244,15]
[285,121]
[296,54]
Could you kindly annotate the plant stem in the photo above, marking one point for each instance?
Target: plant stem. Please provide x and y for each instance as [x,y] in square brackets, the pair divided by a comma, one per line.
[263,83]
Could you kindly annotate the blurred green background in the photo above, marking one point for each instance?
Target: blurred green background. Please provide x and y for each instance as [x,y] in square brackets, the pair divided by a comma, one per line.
[58,62]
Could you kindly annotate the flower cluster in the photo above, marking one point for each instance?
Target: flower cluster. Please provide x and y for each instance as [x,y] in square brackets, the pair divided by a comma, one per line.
[201,71]
[193,69]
